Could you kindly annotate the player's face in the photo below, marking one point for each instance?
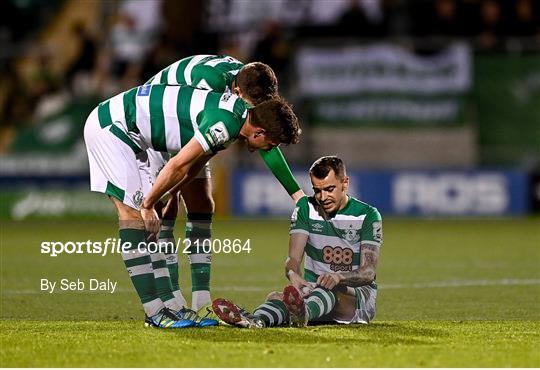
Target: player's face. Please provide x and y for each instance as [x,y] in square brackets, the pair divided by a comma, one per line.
[331,192]
[259,141]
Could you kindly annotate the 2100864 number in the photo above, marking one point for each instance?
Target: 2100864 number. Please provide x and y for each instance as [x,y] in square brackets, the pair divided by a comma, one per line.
[217,246]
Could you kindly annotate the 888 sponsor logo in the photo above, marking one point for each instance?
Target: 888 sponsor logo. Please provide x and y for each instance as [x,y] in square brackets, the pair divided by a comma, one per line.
[340,259]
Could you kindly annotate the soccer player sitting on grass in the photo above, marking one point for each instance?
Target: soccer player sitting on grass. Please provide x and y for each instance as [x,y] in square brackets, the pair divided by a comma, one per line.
[339,238]
[194,125]
[254,83]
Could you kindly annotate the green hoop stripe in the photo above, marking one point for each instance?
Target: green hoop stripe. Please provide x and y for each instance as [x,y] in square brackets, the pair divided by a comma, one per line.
[157,119]
[130,109]
[123,136]
[104,115]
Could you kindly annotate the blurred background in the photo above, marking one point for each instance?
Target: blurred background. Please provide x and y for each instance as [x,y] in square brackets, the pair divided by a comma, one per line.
[433,105]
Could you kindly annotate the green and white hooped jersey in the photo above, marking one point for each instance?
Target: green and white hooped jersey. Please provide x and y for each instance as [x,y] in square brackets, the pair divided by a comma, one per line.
[166,117]
[333,244]
[211,72]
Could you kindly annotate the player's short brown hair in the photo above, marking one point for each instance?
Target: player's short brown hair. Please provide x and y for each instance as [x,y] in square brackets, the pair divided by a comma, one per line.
[258,82]
[322,166]
[277,118]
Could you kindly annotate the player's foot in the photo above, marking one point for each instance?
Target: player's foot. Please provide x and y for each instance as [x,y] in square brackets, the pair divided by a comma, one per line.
[295,304]
[207,315]
[234,315]
[166,319]
[199,321]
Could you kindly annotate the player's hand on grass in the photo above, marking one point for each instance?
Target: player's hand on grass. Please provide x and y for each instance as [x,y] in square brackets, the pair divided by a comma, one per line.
[329,280]
[151,220]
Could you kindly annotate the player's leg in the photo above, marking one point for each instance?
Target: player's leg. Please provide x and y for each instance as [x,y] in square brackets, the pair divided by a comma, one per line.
[167,239]
[114,172]
[273,311]
[320,302]
[199,203]
[164,261]
[357,305]
[232,314]
[137,260]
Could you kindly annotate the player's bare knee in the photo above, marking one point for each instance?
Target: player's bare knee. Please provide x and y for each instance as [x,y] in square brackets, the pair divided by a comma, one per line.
[275,295]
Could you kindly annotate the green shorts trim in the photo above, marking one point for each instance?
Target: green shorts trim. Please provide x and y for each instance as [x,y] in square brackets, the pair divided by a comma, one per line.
[115,191]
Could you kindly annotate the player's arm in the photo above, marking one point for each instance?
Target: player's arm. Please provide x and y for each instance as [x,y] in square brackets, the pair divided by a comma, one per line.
[192,172]
[299,235]
[364,275]
[276,162]
[297,244]
[175,173]
[170,209]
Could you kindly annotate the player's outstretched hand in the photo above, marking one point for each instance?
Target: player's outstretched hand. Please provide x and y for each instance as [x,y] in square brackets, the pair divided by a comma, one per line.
[151,220]
[329,280]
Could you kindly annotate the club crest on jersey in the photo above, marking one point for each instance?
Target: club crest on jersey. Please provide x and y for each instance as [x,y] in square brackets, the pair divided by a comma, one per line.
[138,198]
[350,234]
[218,134]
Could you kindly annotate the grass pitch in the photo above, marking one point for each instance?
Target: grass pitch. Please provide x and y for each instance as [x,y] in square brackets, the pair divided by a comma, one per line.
[452,293]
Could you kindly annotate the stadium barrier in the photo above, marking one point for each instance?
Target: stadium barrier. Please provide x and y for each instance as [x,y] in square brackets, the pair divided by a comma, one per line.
[398,193]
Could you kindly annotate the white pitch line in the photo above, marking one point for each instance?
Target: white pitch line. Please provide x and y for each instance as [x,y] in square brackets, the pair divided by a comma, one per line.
[460,283]
[422,285]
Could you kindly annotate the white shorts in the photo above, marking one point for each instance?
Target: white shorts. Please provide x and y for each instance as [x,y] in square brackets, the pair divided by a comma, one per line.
[120,168]
[365,307]
[115,165]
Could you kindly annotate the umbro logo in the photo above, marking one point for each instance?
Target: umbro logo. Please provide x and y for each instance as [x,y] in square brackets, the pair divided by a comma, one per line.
[317,227]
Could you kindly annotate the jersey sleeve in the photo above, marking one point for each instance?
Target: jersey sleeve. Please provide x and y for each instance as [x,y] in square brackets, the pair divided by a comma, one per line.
[300,217]
[217,131]
[208,78]
[276,162]
[372,232]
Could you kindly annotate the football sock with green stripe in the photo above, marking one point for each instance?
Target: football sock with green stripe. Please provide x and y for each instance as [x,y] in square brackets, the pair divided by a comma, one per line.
[163,281]
[320,302]
[166,238]
[273,312]
[139,266]
[199,233]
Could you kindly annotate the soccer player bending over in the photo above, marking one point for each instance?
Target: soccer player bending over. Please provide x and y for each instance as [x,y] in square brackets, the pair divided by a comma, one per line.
[255,83]
[339,238]
[194,125]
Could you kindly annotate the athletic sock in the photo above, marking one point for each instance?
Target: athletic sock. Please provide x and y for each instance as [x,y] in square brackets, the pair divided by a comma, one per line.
[139,266]
[320,302]
[273,312]
[166,238]
[163,281]
[199,233]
